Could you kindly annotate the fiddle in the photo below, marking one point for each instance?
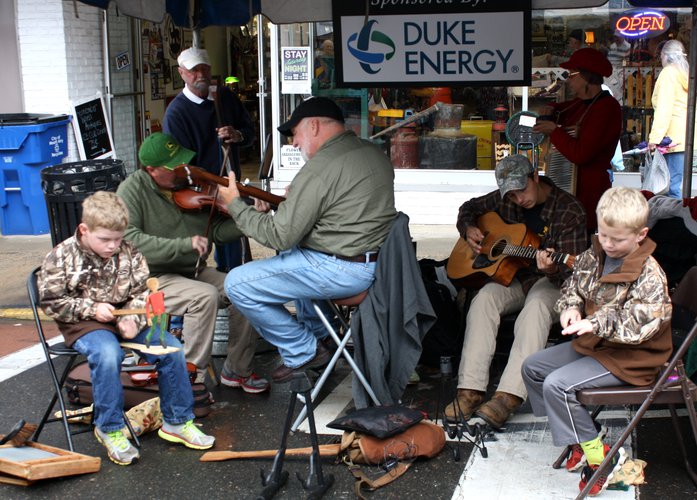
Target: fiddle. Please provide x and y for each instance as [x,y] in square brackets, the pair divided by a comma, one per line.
[197,198]
[195,176]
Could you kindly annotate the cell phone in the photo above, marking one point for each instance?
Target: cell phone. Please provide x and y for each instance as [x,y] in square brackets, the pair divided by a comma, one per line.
[527,121]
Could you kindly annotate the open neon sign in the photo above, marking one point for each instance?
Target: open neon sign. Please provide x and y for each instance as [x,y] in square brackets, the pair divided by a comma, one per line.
[642,24]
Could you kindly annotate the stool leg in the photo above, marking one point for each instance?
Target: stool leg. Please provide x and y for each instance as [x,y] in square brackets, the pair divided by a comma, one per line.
[342,346]
[315,390]
[341,350]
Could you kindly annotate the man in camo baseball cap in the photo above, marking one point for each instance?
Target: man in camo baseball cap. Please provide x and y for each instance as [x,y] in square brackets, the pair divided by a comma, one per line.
[512,173]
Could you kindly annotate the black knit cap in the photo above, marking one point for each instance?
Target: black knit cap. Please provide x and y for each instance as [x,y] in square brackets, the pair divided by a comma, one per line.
[312,107]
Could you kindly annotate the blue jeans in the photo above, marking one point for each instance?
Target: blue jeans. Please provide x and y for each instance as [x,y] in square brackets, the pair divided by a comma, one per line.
[259,289]
[104,356]
[676,165]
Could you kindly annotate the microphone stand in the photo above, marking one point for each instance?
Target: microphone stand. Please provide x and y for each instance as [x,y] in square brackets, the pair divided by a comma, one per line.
[460,428]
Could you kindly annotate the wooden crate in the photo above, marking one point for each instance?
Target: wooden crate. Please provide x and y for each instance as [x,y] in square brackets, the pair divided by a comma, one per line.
[37,461]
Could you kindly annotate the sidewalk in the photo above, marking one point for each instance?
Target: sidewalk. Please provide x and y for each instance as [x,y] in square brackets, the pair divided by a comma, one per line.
[21,254]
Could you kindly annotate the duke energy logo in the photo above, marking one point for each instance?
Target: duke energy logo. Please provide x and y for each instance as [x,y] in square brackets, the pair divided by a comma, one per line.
[371,47]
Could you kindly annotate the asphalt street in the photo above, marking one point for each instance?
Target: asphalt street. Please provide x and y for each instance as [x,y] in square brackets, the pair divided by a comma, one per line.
[250,422]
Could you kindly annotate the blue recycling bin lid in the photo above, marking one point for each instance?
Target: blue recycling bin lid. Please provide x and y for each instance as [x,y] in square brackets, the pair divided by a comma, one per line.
[8,119]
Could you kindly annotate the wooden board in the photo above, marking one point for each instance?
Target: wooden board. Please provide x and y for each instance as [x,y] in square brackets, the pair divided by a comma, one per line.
[155,348]
[44,462]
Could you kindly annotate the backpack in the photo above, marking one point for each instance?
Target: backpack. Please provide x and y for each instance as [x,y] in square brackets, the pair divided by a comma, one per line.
[446,336]
[390,437]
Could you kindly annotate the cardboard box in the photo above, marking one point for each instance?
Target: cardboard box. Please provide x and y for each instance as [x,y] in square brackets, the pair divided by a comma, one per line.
[483,130]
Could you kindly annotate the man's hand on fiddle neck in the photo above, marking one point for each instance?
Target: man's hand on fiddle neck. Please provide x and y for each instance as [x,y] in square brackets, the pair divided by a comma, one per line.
[229,192]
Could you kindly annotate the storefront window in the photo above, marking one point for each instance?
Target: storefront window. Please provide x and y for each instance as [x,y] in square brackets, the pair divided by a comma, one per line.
[555,34]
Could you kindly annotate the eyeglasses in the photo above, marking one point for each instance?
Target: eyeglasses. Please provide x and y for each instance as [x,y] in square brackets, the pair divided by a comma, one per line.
[573,73]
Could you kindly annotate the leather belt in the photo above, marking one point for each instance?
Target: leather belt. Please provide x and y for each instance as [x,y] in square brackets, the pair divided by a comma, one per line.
[364,257]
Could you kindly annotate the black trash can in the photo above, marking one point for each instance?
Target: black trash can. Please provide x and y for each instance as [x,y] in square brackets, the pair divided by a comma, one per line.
[65,186]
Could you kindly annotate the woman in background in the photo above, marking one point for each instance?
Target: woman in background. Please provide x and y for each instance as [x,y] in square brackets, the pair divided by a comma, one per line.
[585,130]
[669,101]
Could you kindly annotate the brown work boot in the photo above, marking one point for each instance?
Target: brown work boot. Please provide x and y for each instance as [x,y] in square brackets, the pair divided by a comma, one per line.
[462,408]
[496,411]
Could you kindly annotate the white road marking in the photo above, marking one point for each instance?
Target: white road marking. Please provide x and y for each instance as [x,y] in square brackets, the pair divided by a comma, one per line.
[20,361]
[519,467]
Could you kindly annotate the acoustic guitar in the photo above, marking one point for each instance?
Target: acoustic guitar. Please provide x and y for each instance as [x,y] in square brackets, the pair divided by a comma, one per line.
[505,249]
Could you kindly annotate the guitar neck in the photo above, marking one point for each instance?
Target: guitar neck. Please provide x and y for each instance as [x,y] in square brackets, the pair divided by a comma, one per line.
[531,252]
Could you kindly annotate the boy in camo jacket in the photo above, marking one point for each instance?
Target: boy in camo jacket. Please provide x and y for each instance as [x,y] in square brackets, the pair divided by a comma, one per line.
[81,282]
[616,305]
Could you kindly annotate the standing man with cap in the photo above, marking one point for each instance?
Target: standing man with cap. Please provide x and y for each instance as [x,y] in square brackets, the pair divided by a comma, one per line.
[586,129]
[172,241]
[339,210]
[206,124]
[191,118]
[559,221]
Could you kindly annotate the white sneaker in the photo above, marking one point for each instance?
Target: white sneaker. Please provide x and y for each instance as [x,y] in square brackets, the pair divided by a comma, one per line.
[187,434]
[119,448]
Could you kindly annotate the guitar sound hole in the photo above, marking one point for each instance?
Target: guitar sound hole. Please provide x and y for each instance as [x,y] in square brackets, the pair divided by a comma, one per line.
[497,249]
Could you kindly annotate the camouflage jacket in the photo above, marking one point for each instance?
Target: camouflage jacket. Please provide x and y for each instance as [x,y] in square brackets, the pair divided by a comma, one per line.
[629,309]
[73,280]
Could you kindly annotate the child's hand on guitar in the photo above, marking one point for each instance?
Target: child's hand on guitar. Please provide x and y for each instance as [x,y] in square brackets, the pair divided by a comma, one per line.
[474,238]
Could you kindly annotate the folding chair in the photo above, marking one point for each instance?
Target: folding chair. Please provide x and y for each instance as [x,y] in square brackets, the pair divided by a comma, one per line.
[664,392]
[57,350]
[348,304]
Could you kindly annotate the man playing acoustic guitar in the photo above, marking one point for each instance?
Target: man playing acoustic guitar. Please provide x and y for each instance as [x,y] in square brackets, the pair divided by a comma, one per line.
[558,219]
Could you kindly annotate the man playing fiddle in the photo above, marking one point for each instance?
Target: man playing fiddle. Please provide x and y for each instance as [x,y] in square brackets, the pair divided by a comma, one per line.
[176,245]
[338,212]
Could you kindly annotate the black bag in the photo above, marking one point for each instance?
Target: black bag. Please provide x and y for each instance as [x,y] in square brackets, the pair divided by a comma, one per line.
[446,336]
[78,387]
[378,421]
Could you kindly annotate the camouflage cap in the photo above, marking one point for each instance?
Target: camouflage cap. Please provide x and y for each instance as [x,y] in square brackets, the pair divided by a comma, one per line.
[512,173]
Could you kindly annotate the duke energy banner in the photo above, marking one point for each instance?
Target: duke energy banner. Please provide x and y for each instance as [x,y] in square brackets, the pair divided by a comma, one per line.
[432,43]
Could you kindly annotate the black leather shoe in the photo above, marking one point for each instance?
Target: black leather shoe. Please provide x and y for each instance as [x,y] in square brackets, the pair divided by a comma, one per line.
[284,373]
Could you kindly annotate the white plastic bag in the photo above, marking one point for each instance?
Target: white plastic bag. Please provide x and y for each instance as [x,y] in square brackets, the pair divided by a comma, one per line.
[655,177]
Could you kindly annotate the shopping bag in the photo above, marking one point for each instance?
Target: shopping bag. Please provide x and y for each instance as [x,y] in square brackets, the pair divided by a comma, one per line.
[656,177]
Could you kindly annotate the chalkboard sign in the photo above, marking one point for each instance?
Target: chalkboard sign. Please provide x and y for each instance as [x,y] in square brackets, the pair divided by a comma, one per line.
[92,132]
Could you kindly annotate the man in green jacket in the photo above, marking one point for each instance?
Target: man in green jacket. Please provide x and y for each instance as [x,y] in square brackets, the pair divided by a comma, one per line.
[174,244]
[338,212]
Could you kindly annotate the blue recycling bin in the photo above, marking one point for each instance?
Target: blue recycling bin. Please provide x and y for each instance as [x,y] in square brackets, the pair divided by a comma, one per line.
[28,143]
